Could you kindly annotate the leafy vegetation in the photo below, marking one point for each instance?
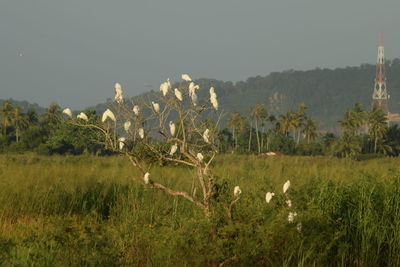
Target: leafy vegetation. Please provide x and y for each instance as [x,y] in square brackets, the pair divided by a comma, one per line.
[88,211]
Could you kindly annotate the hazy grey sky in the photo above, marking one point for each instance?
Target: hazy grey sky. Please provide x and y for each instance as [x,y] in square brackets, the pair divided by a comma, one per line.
[73,51]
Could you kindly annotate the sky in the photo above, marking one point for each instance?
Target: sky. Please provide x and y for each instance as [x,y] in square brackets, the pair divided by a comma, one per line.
[72,52]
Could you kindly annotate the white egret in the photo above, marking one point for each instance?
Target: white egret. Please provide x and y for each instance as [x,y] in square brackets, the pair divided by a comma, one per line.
[146,178]
[213,98]
[68,112]
[121,142]
[108,114]
[291,216]
[194,99]
[214,102]
[82,116]
[269,196]
[118,93]
[286,186]
[141,133]
[206,136]
[172,128]
[192,88]
[186,77]
[127,126]
[164,87]
[178,94]
[289,203]
[156,107]
[136,110]
[237,191]
[212,92]
[200,156]
[174,148]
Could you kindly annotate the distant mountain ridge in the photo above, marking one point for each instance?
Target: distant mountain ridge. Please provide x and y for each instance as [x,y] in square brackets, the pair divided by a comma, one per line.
[327,92]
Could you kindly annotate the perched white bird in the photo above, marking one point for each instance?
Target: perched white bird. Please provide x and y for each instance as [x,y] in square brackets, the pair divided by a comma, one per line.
[146,178]
[269,196]
[68,112]
[200,156]
[174,148]
[237,191]
[156,107]
[178,94]
[213,98]
[141,133]
[118,93]
[82,116]
[172,128]
[193,96]
[214,102]
[108,114]
[136,110]
[291,216]
[206,136]
[212,91]
[192,88]
[127,126]
[286,186]
[186,78]
[121,143]
[289,203]
[164,87]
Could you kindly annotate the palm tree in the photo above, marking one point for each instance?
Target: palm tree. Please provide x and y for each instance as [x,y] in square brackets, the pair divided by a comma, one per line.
[301,118]
[234,124]
[353,120]
[32,116]
[20,122]
[6,114]
[310,129]
[52,115]
[257,113]
[348,146]
[377,124]
[288,122]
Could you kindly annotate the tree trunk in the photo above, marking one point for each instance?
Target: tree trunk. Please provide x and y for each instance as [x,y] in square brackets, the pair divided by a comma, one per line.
[234,138]
[251,130]
[258,138]
[298,136]
[262,139]
[17,134]
[375,144]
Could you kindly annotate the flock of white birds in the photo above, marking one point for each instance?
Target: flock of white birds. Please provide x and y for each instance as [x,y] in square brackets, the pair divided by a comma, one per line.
[268,197]
[165,87]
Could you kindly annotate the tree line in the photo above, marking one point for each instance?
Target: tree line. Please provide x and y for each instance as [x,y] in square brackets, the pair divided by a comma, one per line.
[258,131]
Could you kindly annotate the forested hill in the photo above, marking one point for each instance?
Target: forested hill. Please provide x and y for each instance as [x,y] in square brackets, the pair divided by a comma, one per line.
[327,92]
[25,105]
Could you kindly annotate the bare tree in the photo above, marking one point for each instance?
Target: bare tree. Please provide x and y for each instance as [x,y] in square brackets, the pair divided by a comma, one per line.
[176,119]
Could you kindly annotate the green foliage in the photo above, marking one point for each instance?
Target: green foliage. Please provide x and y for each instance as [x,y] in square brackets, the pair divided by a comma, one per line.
[73,139]
[85,210]
[282,143]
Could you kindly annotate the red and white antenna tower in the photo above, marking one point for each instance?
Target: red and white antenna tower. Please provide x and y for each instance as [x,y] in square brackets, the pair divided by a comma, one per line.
[380,96]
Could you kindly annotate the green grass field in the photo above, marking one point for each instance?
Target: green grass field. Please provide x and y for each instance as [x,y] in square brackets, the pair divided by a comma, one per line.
[90,211]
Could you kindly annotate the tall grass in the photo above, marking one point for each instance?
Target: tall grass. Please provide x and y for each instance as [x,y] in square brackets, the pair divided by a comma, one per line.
[89,211]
